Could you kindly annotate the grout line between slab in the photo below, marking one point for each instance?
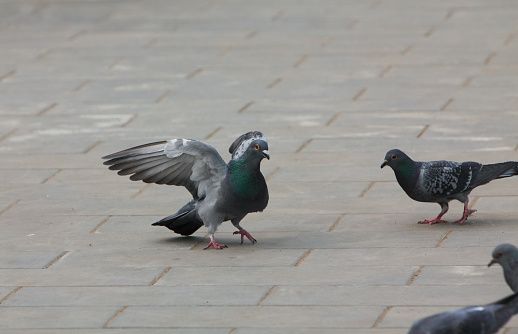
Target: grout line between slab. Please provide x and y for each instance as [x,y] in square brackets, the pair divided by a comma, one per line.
[367,189]
[132,118]
[47,109]
[7,75]
[210,135]
[193,74]
[7,135]
[490,58]
[443,108]
[360,93]
[303,257]
[59,257]
[336,222]
[326,42]
[163,96]
[468,81]
[407,50]
[140,191]
[95,229]
[119,312]
[274,83]
[414,276]
[52,176]
[267,294]
[473,202]
[88,150]
[159,277]
[304,145]
[443,240]
[333,118]
[10,206]
[199,242]
[385,71]
[10,294]
[381,317]
[429,32]
[301,61]
[423,131]
[116,63]
[272,174]
[82,85]
[246,106]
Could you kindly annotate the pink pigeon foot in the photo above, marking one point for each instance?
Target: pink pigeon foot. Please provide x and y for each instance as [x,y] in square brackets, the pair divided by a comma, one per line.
[244,233]
[433,221]
[214,244]
[465,216]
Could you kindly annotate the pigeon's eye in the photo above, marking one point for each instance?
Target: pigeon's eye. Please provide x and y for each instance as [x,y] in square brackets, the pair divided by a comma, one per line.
[394,157]
[256,146]
[499,255]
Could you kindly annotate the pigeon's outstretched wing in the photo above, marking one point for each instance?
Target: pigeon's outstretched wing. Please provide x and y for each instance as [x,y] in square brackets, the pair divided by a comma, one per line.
[181,162]
[239,146]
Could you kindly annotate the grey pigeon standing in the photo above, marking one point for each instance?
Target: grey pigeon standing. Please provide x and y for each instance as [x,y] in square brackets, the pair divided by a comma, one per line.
[485,319]
[507,256]
[443,181]
[220,191]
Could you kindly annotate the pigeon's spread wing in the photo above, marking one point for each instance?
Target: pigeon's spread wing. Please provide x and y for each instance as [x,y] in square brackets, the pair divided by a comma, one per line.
[242,142]
[180,162]
[445,178]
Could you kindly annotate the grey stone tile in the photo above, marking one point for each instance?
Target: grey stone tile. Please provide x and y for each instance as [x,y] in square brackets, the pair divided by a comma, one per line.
[293,276]
[54,317]
[247,316]
[26,260]
[143,296]
[87,276]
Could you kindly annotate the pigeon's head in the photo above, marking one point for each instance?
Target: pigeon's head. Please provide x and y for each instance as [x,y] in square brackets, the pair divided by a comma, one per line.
[395,159]
[258,149]
[252,144]
[505,255]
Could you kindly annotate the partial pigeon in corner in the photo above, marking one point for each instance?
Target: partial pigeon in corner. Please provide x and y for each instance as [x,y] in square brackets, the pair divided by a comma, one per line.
[443,181]
[220,191]
[485,319]
[507,256]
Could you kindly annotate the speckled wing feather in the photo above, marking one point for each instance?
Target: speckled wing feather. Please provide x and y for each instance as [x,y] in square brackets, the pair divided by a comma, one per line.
[445,178]
[181,162]
[242,142]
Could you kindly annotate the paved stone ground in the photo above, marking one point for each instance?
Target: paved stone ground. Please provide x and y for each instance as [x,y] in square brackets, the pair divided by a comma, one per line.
[333,84]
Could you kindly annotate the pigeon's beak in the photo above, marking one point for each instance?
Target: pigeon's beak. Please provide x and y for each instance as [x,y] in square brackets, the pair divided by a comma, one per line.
[266,154]
[385,162]
[491,263]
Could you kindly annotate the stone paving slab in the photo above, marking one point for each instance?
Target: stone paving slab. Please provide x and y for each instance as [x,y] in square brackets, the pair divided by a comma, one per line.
[333,84]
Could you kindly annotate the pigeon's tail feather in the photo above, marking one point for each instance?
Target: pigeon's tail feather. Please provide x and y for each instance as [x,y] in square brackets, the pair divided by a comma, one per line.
[184,222]
[495,171]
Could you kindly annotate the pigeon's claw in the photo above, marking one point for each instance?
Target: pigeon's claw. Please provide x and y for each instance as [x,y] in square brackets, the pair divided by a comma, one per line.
[465,216]
[214,244]
[244,234]
[433,221]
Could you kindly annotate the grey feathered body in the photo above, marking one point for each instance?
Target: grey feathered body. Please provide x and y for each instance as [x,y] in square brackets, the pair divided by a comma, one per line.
[443,181]
[211,182]
[486,319]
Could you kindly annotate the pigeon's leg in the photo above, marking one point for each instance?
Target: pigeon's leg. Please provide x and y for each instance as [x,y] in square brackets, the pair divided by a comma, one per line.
[444,209]
[242,231]
[214,244]
[465,215]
